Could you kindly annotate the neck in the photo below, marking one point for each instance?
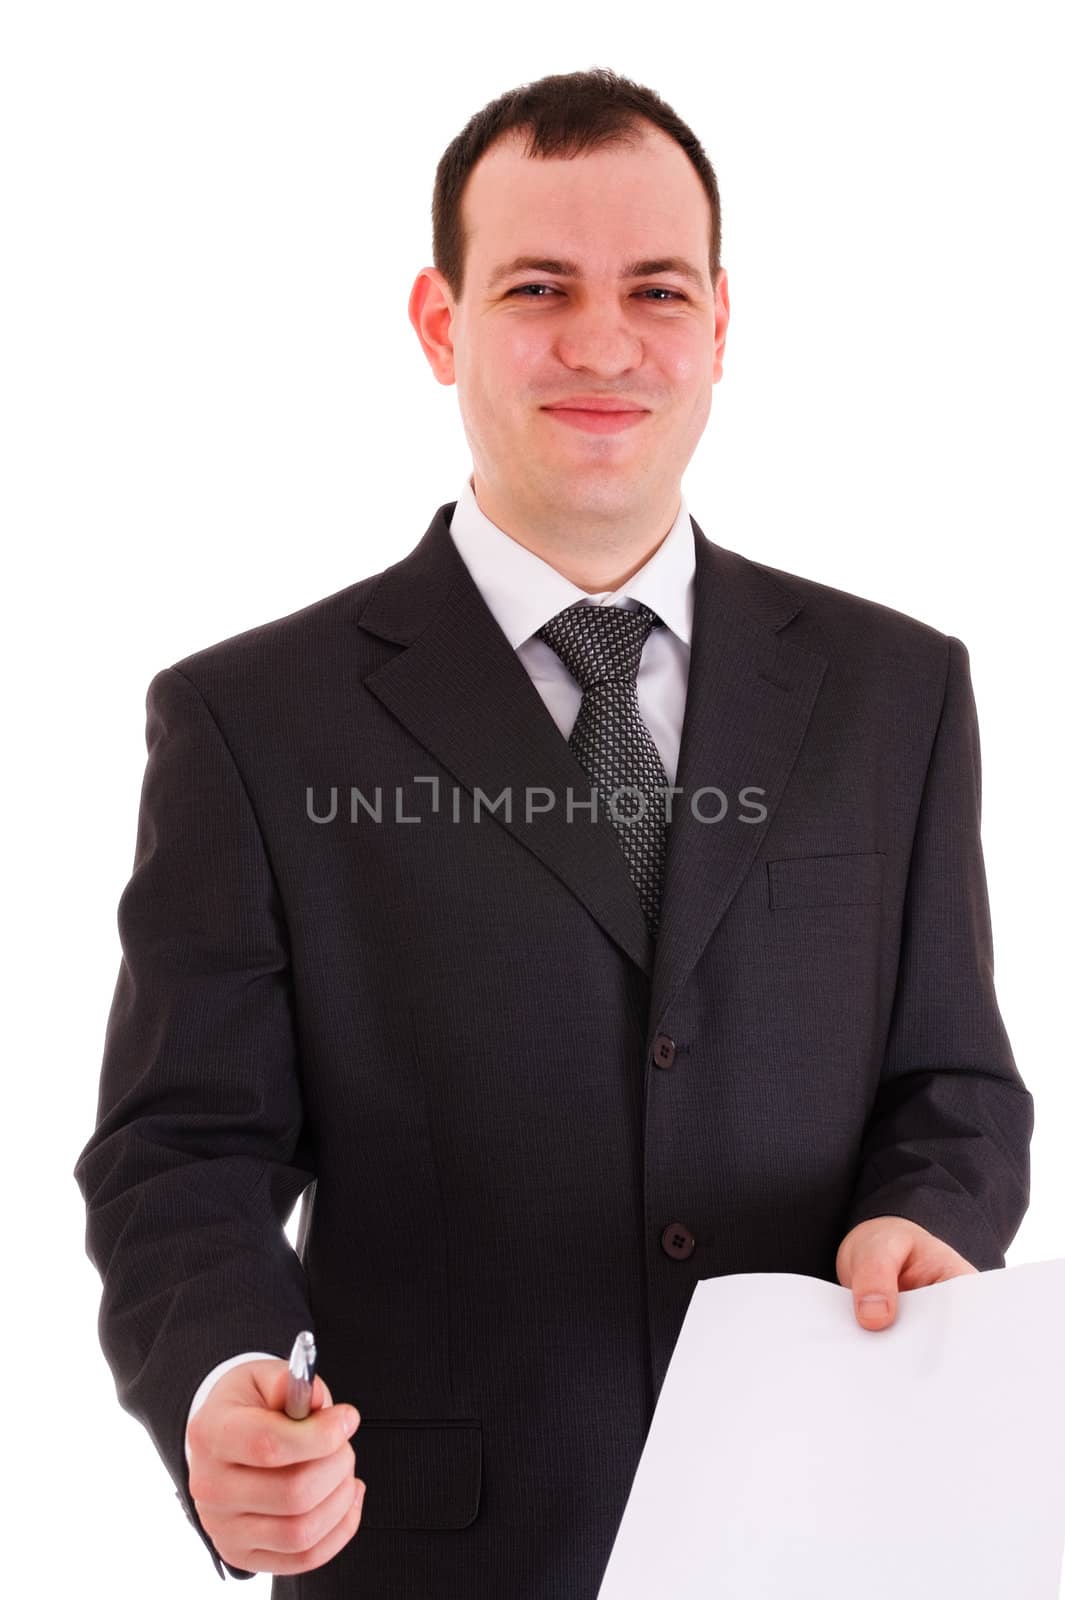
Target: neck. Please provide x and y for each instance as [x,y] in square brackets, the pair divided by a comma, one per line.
[598,554]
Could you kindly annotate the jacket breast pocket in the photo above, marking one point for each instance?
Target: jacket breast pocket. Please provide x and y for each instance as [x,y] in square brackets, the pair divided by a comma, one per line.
[419,1473]
[837,880]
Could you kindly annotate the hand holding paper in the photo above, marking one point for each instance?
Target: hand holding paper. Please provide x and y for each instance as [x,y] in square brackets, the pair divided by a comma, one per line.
[885,1254]
[791,1455]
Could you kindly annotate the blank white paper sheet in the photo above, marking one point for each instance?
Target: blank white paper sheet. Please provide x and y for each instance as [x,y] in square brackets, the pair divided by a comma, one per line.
[796,1455]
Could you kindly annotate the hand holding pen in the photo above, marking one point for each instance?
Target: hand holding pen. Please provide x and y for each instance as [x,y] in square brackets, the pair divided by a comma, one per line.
[271,1471]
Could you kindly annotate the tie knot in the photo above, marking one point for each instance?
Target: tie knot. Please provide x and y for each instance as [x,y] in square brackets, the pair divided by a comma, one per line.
[600,642]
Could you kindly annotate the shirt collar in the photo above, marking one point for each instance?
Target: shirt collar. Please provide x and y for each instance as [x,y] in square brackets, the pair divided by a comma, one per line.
[523,591]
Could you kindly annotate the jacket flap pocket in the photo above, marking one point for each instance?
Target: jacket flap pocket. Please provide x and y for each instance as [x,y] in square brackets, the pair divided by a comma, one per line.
[846,880]
[419,1473]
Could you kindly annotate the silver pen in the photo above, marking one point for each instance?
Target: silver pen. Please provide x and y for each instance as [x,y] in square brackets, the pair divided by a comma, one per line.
[301,1365]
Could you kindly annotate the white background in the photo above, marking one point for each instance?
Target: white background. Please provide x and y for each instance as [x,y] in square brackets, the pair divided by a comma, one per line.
[215,411]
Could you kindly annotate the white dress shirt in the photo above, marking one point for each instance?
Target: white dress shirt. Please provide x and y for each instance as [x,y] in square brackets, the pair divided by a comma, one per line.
[523,591]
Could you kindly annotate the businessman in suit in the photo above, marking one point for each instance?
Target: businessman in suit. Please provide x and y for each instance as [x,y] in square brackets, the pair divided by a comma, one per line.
[572,911]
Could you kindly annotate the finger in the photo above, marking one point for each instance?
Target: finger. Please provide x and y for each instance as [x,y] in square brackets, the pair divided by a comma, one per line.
[285,1492]
[253,1436]
[271,1380]
[875,1310]
[273,1561]
[297,1534]
[874,1289]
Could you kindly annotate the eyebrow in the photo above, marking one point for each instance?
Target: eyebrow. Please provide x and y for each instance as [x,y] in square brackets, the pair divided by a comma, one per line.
[571,269]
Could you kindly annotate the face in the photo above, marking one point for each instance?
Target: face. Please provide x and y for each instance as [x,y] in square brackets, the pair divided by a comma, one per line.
[586,326]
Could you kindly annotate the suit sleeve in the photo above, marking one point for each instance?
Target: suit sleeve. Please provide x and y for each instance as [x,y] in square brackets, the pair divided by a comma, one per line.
[199,1152]
[947,1142]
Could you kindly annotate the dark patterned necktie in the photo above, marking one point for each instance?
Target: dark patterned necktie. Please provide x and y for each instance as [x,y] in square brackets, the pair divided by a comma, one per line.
[601,646]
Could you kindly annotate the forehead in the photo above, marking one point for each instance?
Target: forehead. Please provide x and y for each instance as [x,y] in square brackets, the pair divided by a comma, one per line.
[611,206]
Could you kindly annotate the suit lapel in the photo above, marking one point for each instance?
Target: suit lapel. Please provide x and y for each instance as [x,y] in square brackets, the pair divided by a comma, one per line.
[460,690]
[749,700]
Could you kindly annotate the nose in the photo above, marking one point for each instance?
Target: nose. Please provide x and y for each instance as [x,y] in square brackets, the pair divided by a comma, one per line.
[595,337]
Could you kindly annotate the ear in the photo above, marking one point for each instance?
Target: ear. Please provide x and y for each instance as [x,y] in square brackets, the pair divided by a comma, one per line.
[431,309]
[721,319]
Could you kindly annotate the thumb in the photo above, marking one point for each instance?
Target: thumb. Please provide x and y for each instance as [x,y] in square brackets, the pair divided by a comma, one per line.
[875,1286]
[272,1382]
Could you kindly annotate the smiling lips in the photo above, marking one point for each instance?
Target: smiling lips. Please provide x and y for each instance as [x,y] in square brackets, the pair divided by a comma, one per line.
[597,416]
[595,402]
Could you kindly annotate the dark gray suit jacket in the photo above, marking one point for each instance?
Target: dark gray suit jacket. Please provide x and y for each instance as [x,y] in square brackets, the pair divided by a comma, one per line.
[524,1133]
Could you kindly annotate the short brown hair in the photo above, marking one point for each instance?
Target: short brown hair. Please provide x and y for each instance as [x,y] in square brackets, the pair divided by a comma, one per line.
[561,115]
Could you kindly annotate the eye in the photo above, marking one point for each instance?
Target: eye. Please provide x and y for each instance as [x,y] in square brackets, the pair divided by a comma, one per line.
[523,287]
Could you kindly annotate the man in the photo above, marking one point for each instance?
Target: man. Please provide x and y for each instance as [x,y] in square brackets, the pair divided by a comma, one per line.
[576,909]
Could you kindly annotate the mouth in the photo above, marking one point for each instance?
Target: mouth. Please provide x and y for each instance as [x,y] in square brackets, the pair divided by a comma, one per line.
[596,421]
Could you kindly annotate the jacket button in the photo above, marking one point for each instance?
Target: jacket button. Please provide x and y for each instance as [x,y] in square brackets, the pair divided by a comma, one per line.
[677,1241]
[664,1050]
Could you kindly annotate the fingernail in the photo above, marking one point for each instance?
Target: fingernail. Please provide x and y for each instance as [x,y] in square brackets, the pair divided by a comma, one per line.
[351,1421]
[873,1303]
